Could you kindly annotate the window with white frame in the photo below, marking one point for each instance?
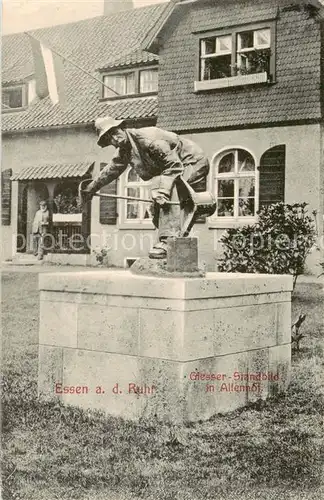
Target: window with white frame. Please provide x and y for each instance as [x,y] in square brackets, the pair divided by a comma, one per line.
[216,57]
[119,84]
[13,97]
[148,80]
[236,184]
[135,187]
[253,51]
[238,52]
[137,81]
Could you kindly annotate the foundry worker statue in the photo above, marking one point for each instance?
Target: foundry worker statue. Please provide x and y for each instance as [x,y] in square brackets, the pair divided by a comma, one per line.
[157,155]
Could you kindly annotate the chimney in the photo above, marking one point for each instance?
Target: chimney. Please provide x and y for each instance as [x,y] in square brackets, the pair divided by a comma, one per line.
[113,6]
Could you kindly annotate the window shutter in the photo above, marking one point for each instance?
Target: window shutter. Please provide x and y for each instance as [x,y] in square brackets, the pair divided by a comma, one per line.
[6,196]
[272,176]
[108,206]
[200,188]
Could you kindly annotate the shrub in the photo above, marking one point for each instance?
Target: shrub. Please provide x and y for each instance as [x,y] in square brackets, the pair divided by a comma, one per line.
[322,266]
[101,256]
[278,244]
[67,203]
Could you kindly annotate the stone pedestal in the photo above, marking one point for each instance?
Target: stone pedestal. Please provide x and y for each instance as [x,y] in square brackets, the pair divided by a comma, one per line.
[180,349]
[182,255]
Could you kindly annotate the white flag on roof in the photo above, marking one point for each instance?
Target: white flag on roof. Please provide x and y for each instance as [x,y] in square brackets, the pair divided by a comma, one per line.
[49,71]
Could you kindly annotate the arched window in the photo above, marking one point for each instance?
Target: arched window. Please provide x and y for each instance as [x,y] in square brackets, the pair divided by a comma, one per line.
[137,188]
[236,184]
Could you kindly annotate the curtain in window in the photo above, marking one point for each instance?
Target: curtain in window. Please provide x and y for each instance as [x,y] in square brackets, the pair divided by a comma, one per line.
[121,84]
[137,188]
[149,80]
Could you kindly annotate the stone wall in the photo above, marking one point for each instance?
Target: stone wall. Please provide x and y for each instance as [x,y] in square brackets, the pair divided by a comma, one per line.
[172,348]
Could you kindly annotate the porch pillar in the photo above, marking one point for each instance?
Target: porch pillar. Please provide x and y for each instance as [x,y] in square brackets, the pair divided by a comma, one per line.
[51,188]
[32,207]
[14,216]
[86,226]
[50,241]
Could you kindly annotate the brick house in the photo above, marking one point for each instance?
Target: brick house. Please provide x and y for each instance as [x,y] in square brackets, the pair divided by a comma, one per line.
[241,78]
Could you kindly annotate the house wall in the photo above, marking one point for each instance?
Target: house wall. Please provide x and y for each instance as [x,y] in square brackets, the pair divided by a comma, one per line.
[45,147]
[304,167]
[304,180]
[295,94]
[52,146]
[304,173]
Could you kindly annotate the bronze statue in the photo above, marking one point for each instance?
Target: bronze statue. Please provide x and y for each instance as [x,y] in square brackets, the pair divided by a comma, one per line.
[176,166]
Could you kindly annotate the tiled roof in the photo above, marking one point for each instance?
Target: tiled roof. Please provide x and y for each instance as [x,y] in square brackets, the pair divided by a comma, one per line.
[17,62]
[53,171]
[138,56]
[92,43]
[43,114]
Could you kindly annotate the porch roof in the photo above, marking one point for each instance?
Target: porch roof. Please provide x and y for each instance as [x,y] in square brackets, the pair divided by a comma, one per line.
[53,171]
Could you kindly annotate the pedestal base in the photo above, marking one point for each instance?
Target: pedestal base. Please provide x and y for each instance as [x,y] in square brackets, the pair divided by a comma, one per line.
[173,348]
[181,261]
[145,266]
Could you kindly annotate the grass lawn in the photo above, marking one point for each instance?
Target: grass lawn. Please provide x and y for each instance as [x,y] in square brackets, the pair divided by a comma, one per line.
[268,451]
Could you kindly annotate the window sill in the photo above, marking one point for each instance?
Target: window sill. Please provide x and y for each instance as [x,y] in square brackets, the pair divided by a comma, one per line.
[67,218]
[127,96]
[233,81]
[136,225]
[13,110]
[230,223]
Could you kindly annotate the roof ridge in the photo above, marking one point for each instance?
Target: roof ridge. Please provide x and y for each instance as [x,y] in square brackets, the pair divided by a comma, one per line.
[87,20]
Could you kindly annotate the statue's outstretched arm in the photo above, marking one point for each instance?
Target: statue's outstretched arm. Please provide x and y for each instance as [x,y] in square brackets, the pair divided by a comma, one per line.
[112,171]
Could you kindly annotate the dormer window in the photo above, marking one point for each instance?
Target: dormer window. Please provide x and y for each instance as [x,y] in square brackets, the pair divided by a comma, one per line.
[148,80]
[14,97]
[120,84]
[129,83]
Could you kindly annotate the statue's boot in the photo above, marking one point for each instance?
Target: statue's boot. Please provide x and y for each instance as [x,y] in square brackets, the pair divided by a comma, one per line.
[166,219]
[159,251]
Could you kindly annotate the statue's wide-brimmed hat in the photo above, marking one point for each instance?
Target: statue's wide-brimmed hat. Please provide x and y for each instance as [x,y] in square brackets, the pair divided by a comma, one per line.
[103,125]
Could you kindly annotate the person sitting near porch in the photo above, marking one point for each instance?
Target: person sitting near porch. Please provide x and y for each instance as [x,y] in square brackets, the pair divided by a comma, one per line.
[158,155]
[40,224]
